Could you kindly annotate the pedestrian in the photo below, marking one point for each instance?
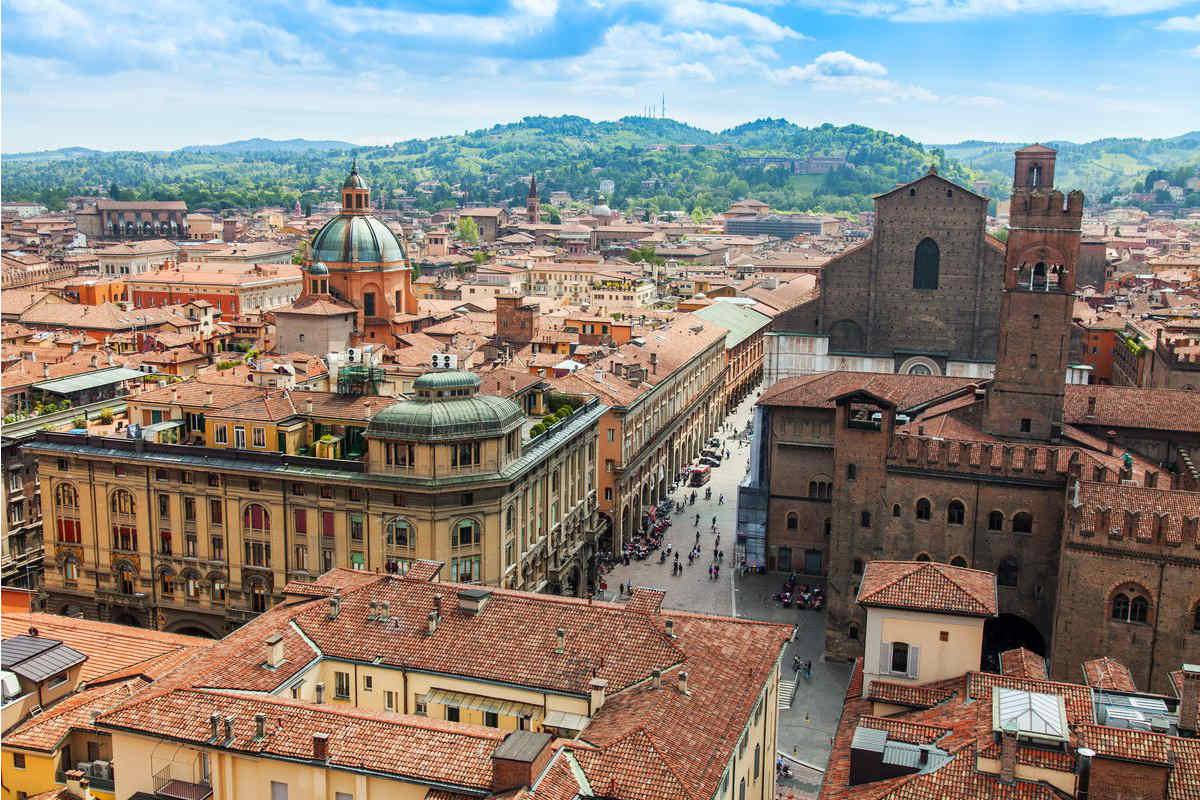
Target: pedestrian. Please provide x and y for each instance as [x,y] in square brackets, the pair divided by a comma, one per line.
[715,551]
[718,540]
[716,571]
[714,521]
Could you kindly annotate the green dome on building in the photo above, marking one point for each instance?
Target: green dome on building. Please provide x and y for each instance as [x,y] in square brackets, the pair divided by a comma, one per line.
[446,407]
[318,268]
[352,238]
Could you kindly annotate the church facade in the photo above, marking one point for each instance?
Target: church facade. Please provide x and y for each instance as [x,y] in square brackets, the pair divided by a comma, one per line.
[921,296]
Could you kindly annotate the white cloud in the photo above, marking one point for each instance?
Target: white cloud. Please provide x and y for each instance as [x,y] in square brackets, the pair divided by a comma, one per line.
[839,71]
[832,65]
[958,10]
[723,17]
[1188,24]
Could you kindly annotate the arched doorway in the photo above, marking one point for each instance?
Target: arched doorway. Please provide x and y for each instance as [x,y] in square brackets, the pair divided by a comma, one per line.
[125,618]
[1008,631]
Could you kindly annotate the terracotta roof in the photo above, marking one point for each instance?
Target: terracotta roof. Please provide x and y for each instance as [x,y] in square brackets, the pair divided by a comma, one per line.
[1131,407]
[400,745]
[903,694]
[1108,673]
[905,391]
[1181,755]
[46,731]
[1161,513]
[318,306]
[1022,663]
[929,586]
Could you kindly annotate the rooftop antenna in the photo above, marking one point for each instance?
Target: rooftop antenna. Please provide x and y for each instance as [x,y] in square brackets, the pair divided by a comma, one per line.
[664,105]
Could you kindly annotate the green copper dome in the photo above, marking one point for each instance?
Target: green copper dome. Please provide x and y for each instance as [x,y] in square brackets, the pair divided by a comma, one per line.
[451,379]
[318,268]
[354,180]
[446,418]
[354,238]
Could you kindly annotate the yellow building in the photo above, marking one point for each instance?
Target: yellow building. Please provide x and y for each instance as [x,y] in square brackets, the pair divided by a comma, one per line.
[191,538]
[370,686]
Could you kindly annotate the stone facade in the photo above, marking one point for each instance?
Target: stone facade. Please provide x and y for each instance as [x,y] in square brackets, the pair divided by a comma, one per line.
[875,299]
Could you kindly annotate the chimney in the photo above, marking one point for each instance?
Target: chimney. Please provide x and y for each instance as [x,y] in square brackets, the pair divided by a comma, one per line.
[656,679]
[45,371]
[683,682]
[437,604]
[274,650]
[384,611]
[1083,769]
[433,622]
[260,725]
[319,692]
[335,605]
[214,727]
[519,760]
[1008,752]
[596,687]
[174,395]
[308,405]
[653,363]
[512,383]
[371,614]
[1112,437]
[1189,698]
[208,397]
[77,783]
[670,628]
[320,746]
[560,645]
[228,729]
[95,362]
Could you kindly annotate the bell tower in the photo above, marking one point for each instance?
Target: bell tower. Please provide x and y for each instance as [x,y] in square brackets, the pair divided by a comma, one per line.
[356,195]
[533,203]
[1025,400]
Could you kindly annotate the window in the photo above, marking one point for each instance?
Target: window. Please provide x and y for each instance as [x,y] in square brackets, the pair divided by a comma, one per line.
[464,534]
[300,517]
[341,682]
[63,465]
[452,713]
[611,434]
[793,521]
[254,485]
[279,791]
[256,520]
[1120,608]
[368,683]
[956,512]
[995,521]
[958,561]
[327,492]
[864,519]
[757,760]
[1033,360]
[419,707]
[1196,619]
[327,523]
[858,566]
[851,472]
[389,700]
[260,437]
[354,494]
[465,455]
[239,437]
[18,760]
[926,265]
[218,548]
[896,510]
[742,789]
[214,479]
[924,509]
[66,505]
[70,569]
[1022,522]
[125,580]
[164,538]
[368,301]
[491,719]
[1006,572]
[899,660]
[398,534]
[258,554]
[1026,425]
[465,569]
[356,527]
[164,506]
[167,582]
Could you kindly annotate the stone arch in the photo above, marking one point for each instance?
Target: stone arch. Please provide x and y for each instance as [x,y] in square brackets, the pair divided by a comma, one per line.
[956,512]
[195,626]
[1136,598]
[256,517]
[122,501]
[1022,522]
[959,560]
[926,264]
[400,533]
[846,335]
[924,509]
[919,365]
[1008,631]
[922,556]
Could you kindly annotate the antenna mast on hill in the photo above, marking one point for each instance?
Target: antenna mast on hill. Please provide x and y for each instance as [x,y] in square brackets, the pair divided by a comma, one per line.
[664,105]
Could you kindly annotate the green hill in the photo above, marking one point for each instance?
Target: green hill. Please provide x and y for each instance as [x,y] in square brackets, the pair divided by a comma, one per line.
[655,164]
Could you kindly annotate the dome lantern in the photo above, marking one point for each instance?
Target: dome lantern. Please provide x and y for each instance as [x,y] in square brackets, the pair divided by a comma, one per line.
[356,195]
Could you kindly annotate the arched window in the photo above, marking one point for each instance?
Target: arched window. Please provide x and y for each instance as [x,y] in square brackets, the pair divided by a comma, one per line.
[122,502]
[851,472]
[793,521]
[958,561]
[1038,282]
[864,519]
[258,597]
[1022,522]
[926,264]
[996,521]
[191,585]
[1139,609]
[922,557]
[956,512]
[1035,176]
[125,579]
[256,519]
[167,582]
[896,510]
[828,526]
[465,533]
[924,509]
[66,514]
[398,534]
[812,488]
[1120,607]
[1006,572]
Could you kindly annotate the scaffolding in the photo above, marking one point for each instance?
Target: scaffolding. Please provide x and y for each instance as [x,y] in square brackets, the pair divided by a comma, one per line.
[358,379]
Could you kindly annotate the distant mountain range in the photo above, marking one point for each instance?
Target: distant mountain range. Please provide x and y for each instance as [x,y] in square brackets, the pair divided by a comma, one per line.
[656,165]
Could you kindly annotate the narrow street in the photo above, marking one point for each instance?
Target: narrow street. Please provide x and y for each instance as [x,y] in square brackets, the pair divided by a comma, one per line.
[807,725]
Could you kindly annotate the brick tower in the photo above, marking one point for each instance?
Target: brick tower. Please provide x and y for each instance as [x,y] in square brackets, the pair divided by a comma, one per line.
[1026,396]
[533,202]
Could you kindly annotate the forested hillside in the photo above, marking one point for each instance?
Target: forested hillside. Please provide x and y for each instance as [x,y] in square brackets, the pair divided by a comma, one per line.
[655,164]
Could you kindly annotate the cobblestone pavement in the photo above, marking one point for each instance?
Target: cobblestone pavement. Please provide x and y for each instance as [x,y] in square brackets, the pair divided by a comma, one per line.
[806,728]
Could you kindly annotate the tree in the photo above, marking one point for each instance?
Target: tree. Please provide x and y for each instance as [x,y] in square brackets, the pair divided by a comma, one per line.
[113,191]
[1002,234]
[645,255]
[555,217]
[468,231]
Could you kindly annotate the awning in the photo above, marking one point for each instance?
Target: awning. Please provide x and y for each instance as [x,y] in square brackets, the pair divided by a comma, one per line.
[477,702]
[89,380]
[566,720]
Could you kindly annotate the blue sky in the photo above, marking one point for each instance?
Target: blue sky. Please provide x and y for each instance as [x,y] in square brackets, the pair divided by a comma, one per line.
[115,75]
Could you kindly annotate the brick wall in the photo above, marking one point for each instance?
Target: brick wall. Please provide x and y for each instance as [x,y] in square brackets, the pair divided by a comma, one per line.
[1123,780]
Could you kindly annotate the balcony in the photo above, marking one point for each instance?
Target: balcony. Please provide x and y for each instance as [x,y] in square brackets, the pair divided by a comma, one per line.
[170,787]
[138,600]
[484,466]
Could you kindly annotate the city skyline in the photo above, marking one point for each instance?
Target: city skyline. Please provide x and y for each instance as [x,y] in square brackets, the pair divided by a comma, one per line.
[374,75]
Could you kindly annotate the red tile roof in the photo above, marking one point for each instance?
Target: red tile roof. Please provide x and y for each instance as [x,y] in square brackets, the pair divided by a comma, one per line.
[1181,755]
[929,586]
[903,694]
[1132,407]
[1022,663]
[905,391]
[1108,673]
[46,731]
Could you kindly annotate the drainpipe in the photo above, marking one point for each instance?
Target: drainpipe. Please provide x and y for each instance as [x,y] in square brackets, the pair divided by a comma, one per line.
[1154,632]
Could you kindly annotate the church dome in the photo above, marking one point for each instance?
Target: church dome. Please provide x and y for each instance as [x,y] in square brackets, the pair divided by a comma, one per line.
[318,268]
[352,238]
[601,209]
[446,408]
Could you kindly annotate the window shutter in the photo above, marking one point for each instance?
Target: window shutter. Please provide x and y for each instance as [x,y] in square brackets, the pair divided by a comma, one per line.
[885,657]
[913,668]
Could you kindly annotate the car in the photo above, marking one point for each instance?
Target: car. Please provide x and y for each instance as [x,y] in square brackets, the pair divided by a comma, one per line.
[710,462]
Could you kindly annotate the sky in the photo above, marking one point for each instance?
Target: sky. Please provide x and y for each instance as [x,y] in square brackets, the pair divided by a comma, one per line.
[157,76]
